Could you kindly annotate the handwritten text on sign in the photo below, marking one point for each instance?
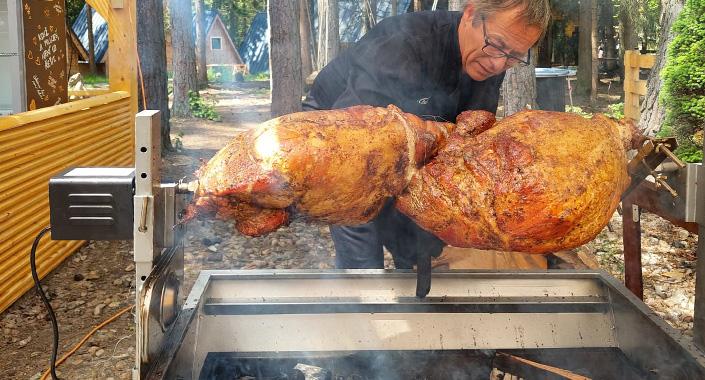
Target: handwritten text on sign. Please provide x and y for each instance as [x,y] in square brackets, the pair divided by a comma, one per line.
[45,52]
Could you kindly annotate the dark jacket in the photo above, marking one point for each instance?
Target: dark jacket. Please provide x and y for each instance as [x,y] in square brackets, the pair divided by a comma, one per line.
[412,61]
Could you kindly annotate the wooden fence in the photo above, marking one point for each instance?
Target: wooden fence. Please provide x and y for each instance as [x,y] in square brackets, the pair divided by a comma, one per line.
[635,88]
[38,144]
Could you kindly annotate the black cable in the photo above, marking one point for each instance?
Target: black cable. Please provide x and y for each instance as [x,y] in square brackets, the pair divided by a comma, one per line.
[38,285]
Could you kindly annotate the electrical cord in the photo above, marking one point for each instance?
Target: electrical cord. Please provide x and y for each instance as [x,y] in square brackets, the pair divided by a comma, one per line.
[88,336]
[52,316]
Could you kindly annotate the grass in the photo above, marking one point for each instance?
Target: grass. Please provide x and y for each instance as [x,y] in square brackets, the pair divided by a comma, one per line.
[94,79]
[258,76]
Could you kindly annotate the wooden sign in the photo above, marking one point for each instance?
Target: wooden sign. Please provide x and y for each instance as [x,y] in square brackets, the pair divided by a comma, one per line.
[45,52]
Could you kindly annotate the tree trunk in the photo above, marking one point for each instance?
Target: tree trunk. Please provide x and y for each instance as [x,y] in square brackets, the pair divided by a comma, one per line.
[593,51]
[628,37]
[305,35]
[91,40]
[395,7]
[184,54]
[202,69]
[545,47]
[652,113]
[519,89]
[585,49]
[365,24]
[456,5]
[285,56]
[610,42]
[418,5]
[369,12]
[328,40]
[152,52]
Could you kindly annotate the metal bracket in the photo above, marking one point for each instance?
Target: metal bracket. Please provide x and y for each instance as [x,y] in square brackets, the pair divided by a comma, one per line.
[147,178]
[647,159]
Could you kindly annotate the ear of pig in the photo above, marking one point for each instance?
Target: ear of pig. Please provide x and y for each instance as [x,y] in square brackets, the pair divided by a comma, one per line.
[472,123]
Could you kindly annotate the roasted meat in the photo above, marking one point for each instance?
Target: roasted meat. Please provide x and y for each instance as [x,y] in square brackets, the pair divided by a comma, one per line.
[534,182]
[334,166]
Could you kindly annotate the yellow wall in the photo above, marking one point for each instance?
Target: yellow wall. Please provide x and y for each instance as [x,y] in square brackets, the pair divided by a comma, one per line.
[36,145]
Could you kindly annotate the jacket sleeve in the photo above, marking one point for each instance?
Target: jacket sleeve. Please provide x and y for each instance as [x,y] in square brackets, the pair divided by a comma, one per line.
[379,71]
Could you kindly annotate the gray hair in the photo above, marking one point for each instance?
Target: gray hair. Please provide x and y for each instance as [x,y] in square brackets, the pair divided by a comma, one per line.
[535,12]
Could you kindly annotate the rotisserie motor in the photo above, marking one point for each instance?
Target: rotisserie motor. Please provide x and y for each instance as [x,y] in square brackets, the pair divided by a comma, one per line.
[534,182]
[334,166]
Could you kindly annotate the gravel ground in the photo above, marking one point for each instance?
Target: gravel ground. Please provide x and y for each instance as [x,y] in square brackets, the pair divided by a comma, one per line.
[98,280]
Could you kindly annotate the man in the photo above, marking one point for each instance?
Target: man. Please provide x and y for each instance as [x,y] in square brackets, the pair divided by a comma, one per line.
[435,65]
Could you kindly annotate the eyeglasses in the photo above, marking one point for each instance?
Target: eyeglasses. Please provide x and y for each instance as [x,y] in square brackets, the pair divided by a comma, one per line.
[495,51]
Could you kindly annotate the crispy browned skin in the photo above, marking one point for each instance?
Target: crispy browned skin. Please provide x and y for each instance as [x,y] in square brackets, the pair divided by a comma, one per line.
[534,182]
[334,166]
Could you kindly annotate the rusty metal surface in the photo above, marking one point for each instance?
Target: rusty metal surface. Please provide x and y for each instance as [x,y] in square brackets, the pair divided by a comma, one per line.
[36,145]
[647,159]
[631,237]
[656,199]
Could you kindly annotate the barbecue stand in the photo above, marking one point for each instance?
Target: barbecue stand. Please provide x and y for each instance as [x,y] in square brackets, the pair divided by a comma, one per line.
[359,324]
[674,192]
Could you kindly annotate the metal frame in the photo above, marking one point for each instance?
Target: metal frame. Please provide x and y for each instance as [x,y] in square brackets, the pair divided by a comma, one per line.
[465,310]
[158,254]
[686,210]
[379,309]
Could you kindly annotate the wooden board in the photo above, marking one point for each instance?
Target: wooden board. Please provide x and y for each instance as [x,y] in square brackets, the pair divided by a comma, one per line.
[469,258]
[45,53]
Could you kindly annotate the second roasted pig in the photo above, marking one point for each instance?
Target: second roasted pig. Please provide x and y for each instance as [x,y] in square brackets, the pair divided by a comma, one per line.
[534,182]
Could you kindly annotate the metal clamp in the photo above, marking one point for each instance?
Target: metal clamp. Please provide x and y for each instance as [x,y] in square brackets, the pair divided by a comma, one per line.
[661,183]
[664,148]
[143,216]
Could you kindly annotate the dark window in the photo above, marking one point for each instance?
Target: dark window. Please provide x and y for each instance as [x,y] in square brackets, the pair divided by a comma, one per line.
[215,43]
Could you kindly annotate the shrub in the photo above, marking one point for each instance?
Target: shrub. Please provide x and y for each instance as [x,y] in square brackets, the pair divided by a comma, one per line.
[202,107]
[577,110]
[684,79]
[616,111]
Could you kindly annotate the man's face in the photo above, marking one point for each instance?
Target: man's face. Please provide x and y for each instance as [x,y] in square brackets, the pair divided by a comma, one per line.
[506,32]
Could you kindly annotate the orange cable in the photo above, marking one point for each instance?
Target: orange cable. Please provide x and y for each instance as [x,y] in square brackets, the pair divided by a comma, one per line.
[139,69]
[86,337]
[139,65]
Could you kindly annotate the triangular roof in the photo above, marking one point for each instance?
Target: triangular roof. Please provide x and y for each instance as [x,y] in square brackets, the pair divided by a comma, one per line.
[209,17]
[100,32]
[76,43]
[209,25]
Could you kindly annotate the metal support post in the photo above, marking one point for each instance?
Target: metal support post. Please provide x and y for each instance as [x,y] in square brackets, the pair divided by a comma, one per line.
[699,318]
[147,180]
[631,238]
